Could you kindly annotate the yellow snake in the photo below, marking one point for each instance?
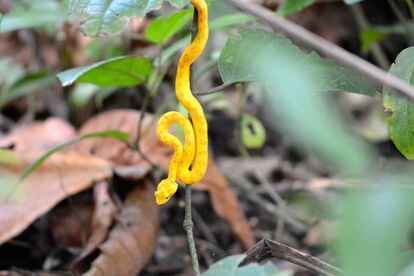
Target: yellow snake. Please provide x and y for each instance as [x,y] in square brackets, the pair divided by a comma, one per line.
[195,151]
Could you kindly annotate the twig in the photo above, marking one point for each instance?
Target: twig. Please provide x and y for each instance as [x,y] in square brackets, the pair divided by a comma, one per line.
[246,188]
[214,89]
[188,227]
[410,5]
[278,200]
[188,221]
[325,47]
[266,249]
[403,20]
[363,23]
[222,87]
[144,107]
[202,225]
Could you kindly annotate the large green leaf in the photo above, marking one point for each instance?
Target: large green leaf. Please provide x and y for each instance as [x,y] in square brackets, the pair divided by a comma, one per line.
[292,102]
[107,17]
[121,71]
[165,27]
[331,76]
[292,6]
[401,120]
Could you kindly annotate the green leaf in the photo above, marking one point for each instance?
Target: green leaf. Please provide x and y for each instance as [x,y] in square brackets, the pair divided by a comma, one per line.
[121,136]
[110,16]
[121,71]
[27,84]
[253,133]
[230,266]
[165,27]
[330,76]
[39,13]
[292,103]
[401,121]
[369,37]
[292,6]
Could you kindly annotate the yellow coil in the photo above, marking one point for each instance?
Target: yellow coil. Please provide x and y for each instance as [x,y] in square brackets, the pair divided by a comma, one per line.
[195,150]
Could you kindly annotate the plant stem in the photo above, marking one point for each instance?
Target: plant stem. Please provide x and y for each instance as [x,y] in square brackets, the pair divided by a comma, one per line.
[410,5]
[328,49]
[188,221]
[377,51]
[403,20]
[188,227]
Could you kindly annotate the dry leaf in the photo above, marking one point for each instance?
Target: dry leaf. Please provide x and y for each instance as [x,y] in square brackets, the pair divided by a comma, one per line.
[223,198]
[60,176]
[104,214]
[39,136]
[131,242]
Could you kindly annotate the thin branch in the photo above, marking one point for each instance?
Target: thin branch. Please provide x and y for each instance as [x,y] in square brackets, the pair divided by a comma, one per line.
[267,249]
[410,5]
[403,20]
[325,47]
[188,227]
[221,87]
[214,89]
[363,23]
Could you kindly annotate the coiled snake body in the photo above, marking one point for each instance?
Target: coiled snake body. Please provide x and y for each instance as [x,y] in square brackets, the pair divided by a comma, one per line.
[195,150]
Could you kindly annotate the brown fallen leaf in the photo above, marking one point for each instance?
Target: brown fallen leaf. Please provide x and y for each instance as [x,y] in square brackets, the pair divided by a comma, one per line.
[131,242]
[104,214]
[223,198]
[39,136]
[60,176]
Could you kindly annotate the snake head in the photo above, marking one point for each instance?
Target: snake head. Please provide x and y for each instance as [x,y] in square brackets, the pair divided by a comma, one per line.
[165,190]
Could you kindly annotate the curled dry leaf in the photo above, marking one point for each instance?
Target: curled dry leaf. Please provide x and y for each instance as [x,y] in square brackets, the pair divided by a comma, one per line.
[131,242]
[104,214]
[39,136]
[60,176]
[223,198]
